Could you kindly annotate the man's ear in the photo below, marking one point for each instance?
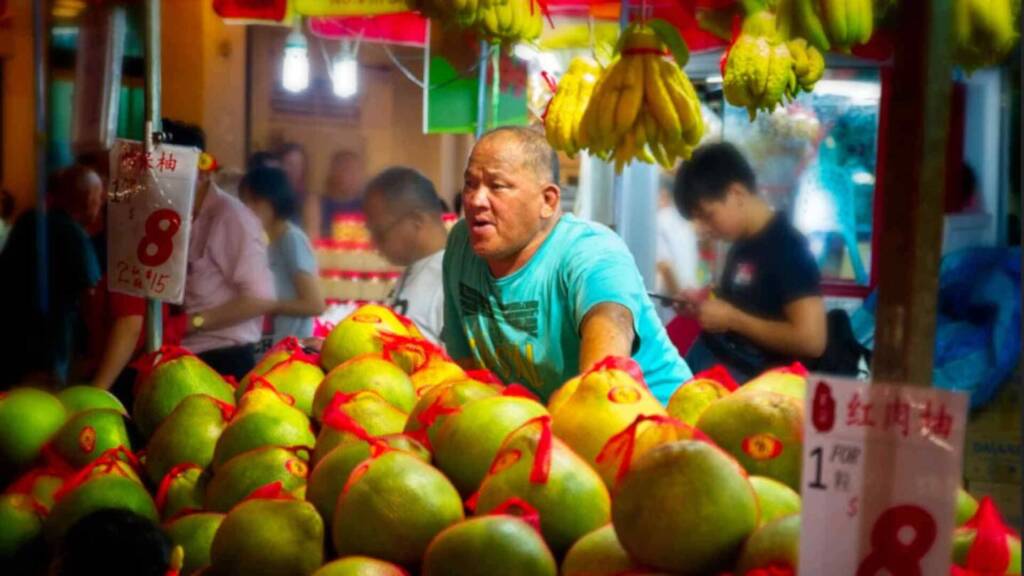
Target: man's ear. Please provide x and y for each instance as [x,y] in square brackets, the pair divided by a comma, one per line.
[552,200]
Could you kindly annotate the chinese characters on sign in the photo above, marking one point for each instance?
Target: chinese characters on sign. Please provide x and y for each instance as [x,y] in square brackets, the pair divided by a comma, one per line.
[148,230]
[880,472]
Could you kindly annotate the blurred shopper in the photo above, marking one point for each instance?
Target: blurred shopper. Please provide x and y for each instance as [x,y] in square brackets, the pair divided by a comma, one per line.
[676,250]
[42,336]
[342,194]
[268,193]
[229,286]
[262,158]
[113,542]
[767,309]
[403,214]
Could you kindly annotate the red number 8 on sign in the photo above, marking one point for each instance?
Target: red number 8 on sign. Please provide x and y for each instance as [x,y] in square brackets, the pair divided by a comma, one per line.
[159,237]
[889,552]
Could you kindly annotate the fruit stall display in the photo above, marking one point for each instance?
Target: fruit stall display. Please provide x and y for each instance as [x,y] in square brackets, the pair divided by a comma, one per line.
[382,456]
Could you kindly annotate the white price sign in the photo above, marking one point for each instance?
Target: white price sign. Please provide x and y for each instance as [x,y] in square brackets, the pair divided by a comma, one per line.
[880,472]
[147,243]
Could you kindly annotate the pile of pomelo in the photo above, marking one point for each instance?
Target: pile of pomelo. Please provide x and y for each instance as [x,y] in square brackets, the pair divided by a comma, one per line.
[382,457]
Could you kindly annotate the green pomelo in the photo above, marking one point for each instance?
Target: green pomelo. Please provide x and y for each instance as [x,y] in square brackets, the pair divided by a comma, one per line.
[966,506]
[269,361]
[468,441]
[331,473]
[762,430]
[87,435]
[28,419]
[189,434]
[82,398]
[600,554]
[194,533]
[684,507]
[572,502]
[44,487]
[392,507]
[263,419]
[775,543]
[295,379]
[370,373]
[963,539]
[185,491]
[98,492]
[358,334]
[692,398]
[435,372]
[439,402]
[239,476]
[774,499]
[172,382]
[780,381]
[498,545]
[360,566]
[373,413]
[268,537]
[21,526]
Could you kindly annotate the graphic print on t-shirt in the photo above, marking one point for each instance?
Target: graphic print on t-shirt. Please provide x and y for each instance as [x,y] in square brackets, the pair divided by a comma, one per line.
[508,357]
[745,272]
[519,315]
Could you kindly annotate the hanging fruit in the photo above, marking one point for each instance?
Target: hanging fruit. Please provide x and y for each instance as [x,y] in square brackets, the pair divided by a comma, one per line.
[567,106]
[984,31]
[828,24]
[497,21]
[759,71]
[808,65]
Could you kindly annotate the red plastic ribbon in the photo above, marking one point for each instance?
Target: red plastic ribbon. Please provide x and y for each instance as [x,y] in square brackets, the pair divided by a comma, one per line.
[227,411]
[296,353]
[517,390]
[146,364]
[165,483]
[261,382]
[624,364]
[989,553]
[273,491]
[553,87]
[339,420]
[394,343]
[108,459]
[322,329]
[773,570]
[437,408]
[541,469]
[519,508]
[622,444]
[720,374]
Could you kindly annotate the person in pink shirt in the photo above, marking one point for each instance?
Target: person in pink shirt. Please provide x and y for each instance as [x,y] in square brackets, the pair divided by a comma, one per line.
[229,286]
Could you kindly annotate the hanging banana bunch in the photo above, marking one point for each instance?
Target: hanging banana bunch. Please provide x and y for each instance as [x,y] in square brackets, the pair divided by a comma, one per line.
[759,70]
[984,31]
[808,66]
[497,21]
[643,106]
[828,24]
[566,108]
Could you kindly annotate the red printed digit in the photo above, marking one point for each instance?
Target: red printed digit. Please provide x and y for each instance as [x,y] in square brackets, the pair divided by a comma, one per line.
[122,274]
[160,238]
[889,552]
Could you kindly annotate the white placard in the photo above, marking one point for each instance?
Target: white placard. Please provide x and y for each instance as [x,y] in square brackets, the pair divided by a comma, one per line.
[880,472]
[147,242]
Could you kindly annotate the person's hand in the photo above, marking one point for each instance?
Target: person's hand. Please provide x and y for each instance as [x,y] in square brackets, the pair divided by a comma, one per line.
[715,315]
[690,300]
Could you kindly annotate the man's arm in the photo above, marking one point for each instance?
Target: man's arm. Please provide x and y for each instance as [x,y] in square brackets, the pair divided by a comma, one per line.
[121,343]
[607,330]
[802,334]
[232,312]
[308,302]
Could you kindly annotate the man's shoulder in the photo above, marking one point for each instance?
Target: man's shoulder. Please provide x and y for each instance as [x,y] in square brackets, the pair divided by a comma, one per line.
[229,211]
[586,237]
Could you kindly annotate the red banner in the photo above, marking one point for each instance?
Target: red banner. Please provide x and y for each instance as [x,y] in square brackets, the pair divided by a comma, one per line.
[407,28]
[273,10]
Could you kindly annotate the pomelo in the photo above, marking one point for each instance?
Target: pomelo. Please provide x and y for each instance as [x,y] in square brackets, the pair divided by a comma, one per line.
[40,483]
[330,474]
[278,537]
[359,333]
[643,435]
[763,430]
[606,401]
[361,413]
[774,499]
[542,471]
[28,419]
[466,444]
[96,492]
[81,398]
[194,533]
[966,506]
[789,380]
[296,379]
[263,419]
[392,507]
[366,373]
[188,434]
[170,382]
[600,554]
[181,491]
[692,398]
[775,544]
[685,508]
[558,397]
[87,435]
[360,566]
[21,527]
[441,401]
[287,349]
[238,477]
[498,545]
[436,371]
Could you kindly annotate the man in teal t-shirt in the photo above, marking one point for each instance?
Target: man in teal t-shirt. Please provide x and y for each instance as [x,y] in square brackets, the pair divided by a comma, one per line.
[536,296]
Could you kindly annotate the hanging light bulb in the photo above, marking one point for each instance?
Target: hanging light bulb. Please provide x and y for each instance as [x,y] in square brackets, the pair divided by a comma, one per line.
[295,69]
[345,72]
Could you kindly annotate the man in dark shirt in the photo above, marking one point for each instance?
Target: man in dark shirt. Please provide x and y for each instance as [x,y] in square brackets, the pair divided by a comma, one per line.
[767,309]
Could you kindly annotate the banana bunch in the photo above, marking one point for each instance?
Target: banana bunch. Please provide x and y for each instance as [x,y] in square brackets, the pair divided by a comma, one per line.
[984,31]
[759,69]
[498,21]
[828,24]
[808,66]
[643,106]
[566,108]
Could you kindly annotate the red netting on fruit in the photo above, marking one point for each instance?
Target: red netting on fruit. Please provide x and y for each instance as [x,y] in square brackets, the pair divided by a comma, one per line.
[627,365]
[620,447]
[719,374]
[108,462]
[165,486]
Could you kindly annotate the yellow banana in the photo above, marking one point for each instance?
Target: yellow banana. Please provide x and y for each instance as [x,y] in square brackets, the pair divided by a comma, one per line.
[632,93]
[658,100]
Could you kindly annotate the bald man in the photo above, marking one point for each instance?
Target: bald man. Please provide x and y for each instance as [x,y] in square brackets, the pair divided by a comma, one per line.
[403,215]
[538,296]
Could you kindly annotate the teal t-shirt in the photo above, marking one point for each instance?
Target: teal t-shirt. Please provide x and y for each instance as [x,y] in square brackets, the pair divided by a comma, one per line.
[525,327]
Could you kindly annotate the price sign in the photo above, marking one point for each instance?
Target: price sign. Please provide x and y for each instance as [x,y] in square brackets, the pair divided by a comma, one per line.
[880,472]
[147,242]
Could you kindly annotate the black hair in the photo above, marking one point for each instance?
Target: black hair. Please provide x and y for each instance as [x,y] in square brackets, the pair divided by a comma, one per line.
[261,158]
[707,175]
[408,187]
[271,184]
[113,542]
[183,134]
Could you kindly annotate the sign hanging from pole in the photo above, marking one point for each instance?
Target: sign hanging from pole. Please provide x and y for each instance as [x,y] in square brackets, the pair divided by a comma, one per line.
[149,229]
[881,468]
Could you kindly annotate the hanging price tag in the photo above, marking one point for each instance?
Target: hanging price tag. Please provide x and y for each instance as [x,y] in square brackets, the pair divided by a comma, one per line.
[880,472]
[148,229]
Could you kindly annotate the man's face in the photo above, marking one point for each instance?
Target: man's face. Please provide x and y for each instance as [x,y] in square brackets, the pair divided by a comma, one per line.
[394,230]
[347,175]
[503,200]
[294,165]
[721,219]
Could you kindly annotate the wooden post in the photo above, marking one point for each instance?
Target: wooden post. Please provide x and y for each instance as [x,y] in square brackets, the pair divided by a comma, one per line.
[910,243]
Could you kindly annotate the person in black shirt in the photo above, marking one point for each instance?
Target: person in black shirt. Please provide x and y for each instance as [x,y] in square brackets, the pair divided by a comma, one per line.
[767,309]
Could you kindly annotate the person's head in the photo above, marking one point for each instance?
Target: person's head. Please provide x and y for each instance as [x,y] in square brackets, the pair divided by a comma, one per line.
[78,191]
[185,134]
[509,196]
[261,158]
[268,193]
[345,175]
[403,214]
[291,157]
[113,542]
[714,188]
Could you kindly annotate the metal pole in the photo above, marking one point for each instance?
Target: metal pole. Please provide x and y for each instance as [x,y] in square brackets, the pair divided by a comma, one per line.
[481,89]
[154,309]
[42,250]
[618,180]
